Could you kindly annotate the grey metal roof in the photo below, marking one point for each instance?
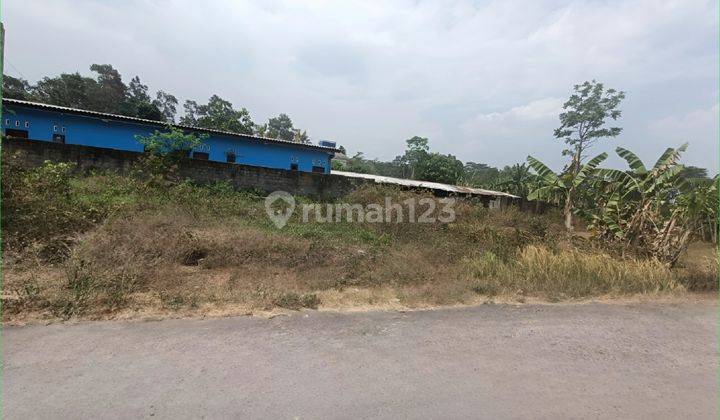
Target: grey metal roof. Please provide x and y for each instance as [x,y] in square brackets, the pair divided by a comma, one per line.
[379,179]
[96,114]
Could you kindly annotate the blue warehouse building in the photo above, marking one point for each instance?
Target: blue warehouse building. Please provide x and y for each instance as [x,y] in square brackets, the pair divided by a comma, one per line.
[59,124]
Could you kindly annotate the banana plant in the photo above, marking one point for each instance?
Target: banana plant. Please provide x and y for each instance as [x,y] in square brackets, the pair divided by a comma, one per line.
[516,180]
[645,182]
[562,187]
[644,208]
[698,205]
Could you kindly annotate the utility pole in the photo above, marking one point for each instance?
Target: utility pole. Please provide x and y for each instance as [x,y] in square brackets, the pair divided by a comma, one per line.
[2,62]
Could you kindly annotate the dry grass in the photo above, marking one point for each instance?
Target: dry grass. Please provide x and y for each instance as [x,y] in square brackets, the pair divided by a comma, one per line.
[569,274]
[698,267]
[209,250]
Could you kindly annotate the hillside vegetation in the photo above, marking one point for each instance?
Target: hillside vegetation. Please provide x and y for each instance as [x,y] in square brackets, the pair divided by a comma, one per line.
[105,245]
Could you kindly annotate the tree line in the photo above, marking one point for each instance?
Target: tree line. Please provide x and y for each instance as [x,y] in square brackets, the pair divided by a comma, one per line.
[107,92]
[418,162]
[654,211]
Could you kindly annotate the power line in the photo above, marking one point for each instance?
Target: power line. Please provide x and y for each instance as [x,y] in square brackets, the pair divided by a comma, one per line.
[16,69]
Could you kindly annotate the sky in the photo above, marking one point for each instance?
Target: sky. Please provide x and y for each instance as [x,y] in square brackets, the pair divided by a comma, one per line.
[483,80]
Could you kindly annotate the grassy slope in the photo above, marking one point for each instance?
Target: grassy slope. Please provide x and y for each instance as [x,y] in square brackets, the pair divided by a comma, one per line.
[106,245]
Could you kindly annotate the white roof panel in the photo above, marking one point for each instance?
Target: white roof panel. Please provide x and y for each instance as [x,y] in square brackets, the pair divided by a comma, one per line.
[379,179]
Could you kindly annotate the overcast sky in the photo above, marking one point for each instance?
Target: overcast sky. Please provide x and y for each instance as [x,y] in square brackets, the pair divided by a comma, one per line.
[484,80]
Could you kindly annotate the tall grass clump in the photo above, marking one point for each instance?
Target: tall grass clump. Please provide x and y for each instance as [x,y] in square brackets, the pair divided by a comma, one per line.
[569,273]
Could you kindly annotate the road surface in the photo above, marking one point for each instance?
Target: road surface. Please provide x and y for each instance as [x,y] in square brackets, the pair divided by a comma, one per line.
[638,360]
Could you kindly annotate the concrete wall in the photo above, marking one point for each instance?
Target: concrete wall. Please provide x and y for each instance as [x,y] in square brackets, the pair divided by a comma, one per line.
[42,124]
[89,158]
[323,186]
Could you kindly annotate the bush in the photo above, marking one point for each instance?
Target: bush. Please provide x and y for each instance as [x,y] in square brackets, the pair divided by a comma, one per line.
[38,207]
[171,142]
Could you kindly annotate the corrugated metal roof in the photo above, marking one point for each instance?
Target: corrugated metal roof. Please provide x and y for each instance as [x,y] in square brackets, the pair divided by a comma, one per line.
[158,123]
[424,184]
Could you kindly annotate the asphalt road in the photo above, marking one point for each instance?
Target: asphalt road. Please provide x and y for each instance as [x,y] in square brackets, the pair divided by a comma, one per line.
[643,360]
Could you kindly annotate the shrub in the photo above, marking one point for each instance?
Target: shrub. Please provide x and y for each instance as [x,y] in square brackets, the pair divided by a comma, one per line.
[37,206]
[171,142]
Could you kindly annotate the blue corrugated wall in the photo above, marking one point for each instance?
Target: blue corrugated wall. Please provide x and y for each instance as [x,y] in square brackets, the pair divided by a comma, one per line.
[116,134]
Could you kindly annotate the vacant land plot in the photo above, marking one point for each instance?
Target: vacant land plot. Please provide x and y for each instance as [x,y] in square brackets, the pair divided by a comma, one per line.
[104,245]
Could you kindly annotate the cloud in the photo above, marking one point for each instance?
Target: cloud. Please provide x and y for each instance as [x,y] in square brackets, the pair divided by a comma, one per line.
[700,120]
[479,78]
[538,110]
[699,128]
[523,129]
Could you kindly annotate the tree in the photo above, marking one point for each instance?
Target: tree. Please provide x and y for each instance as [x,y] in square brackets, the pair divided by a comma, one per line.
[167,104]
[337,165]
[106,93]
[417,150]
[359,164]
[387,168]
[137,91]
[148,111]
[109,93]
[16,88]
[582,123]
[280,127]
[436,167]
[260,130]
[70,90]
[191,113]
[217,114]
[401,163]
[480,174]
[301,136]
[516,180]
[140,103]
[557,188]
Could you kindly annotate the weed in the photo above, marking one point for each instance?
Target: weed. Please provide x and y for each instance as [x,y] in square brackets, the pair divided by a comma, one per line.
[171,301]
[295,301]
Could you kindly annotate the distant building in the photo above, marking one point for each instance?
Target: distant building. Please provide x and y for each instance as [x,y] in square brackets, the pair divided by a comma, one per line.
[59,124]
